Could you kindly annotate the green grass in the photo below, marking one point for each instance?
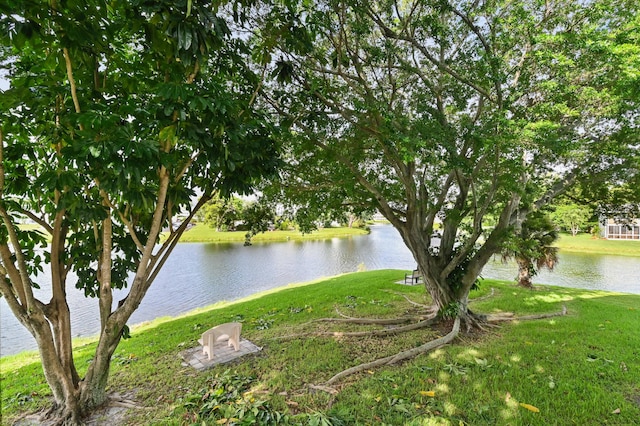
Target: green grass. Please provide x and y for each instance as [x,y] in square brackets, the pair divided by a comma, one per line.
[585,243]
[577,369]
[204,234]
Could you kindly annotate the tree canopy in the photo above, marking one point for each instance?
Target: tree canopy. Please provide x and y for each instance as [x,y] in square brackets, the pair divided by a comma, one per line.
[221,213]
[571,217]
[443,113]
[116,115]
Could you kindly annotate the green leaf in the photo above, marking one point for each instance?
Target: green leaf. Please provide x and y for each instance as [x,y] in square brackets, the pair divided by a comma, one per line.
[95,150]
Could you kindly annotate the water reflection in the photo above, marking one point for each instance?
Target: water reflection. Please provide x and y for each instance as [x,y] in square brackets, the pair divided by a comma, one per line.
[579,270]
[201,274]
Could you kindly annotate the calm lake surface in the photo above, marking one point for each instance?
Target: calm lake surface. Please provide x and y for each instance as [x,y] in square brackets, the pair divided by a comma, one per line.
[201,274]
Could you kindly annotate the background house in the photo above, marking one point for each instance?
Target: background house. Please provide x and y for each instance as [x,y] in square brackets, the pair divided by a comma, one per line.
[615,230]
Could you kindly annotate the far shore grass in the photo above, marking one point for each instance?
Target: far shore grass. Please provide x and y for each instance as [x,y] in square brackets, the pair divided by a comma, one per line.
[582,368]
[582,243]
[202,233]
[585,243]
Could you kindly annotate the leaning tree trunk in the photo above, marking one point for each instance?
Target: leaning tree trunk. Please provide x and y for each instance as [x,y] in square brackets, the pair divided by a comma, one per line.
[93,387]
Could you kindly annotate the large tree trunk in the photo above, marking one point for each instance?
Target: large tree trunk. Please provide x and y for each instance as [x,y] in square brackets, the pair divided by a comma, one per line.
[451,268]
[452,303]
[449,280]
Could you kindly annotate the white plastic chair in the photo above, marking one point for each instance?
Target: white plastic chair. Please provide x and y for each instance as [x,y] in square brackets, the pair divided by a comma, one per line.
[230,330]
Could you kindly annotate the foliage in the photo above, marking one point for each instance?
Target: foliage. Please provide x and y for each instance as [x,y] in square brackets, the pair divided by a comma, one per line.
[449,112]
[222,213]
[621,203]
[532,247]
[451,311]
[228,399]
[116,115]
[571,217]
[352,219]
[258,217]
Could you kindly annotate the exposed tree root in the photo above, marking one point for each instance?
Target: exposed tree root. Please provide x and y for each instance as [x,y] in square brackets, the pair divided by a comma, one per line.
[429,308]
[58,415]
[479,324]
[373,321]
[470,320]
[386,332]
[322,388]
[356,320]
[341,314]
[508,316]
[125,403]
[485,297]
[434,344]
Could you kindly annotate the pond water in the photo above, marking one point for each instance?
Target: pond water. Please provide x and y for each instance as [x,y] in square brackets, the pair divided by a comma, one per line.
[201,274]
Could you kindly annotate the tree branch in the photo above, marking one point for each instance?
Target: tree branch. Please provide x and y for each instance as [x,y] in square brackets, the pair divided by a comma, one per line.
[389,33]
[72,81]
[486,46]
[170,243]
[25,281]
[385,332]
[106,295]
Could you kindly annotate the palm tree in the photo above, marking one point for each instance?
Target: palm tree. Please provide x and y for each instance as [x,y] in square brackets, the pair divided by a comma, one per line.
[531,247]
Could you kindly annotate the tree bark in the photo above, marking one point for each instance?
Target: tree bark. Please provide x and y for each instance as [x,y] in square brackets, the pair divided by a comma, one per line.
[58,375]
[524,276]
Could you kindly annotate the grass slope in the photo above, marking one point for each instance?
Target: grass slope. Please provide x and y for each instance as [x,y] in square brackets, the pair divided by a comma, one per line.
[582,369]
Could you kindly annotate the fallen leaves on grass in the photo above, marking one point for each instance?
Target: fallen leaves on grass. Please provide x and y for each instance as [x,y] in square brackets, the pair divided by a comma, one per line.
[530,407]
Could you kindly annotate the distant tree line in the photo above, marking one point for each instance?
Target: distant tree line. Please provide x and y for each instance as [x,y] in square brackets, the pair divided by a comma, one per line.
[234,213]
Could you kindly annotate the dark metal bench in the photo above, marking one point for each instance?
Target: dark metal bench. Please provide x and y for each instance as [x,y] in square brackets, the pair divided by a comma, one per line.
[413,278]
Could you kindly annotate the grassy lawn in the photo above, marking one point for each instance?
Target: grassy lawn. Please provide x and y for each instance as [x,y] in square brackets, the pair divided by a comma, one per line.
[204,234]
[582,369]
[587,244]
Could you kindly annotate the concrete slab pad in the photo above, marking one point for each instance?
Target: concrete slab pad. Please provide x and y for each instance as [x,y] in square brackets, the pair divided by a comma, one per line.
[412,284]
[222,353]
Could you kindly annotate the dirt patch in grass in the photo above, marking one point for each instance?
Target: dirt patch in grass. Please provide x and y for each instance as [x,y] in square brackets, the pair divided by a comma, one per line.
[114,413]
